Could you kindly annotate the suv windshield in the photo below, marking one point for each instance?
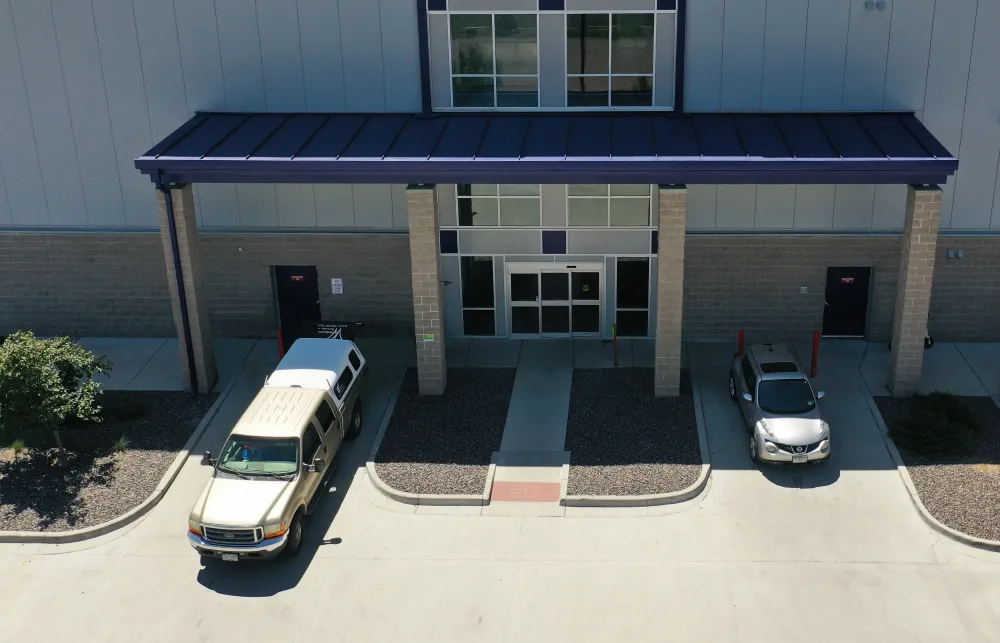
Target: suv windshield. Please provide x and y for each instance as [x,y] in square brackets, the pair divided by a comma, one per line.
[785,397]
[260,456]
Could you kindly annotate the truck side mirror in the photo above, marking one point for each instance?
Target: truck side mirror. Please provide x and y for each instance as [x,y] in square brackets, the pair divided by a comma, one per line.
[207,459]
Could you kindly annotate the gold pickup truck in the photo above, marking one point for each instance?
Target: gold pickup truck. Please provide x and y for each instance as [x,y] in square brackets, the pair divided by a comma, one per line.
[269,474]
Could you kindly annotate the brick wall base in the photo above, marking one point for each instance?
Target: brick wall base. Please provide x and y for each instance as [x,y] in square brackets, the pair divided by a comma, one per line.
[115,285]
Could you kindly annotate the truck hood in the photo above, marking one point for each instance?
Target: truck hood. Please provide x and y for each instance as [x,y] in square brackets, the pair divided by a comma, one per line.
[238,503]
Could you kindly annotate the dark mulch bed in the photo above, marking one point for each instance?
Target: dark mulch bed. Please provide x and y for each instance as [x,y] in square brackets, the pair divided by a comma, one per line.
[444,444]
[962,492]
[96,483]
[623,441]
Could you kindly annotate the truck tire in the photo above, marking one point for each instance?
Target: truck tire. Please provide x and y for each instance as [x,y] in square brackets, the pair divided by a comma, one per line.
[296,532]
[357,421]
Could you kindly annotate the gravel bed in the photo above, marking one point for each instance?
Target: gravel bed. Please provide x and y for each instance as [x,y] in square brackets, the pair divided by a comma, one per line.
[623,441]
[97,483]
[962,492]
[444,444]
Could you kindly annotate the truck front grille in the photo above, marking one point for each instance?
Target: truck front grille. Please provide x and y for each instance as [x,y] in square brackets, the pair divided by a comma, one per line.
[222,536]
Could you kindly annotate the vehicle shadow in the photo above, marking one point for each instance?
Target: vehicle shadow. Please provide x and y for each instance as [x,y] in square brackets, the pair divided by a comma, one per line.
[271,577]
[811,476]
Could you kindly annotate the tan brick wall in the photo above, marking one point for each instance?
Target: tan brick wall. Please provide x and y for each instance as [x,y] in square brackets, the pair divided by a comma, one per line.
[84,285]
[670,290]
[428,299]
[116,284]
[965,302]
[752,282]
[913,288]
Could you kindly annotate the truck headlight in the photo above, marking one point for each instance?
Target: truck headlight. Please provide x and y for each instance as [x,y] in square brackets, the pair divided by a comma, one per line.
[194,527]
[273,531]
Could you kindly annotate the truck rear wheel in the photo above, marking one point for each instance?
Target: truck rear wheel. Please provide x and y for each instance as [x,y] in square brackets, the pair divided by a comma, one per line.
[357,421]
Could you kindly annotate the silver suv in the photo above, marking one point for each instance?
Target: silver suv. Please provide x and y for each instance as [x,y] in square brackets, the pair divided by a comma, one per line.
[779,406]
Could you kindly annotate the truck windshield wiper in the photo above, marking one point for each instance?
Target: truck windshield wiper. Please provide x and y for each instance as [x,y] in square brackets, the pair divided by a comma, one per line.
[238,474]
[271,474]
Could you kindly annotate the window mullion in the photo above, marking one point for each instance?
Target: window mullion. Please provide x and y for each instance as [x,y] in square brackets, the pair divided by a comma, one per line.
[611,32]
[493,31]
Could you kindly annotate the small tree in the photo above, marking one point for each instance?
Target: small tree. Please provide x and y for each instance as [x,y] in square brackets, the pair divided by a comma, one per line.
[46,382]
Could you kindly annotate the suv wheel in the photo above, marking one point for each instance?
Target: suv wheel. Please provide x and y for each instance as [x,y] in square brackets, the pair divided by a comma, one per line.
[295,532]
[732,388]
[357,421]
[753,447]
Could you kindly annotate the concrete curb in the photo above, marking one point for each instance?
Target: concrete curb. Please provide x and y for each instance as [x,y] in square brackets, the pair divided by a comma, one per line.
[426,499]
[904,474]
[76,535]
[655,499]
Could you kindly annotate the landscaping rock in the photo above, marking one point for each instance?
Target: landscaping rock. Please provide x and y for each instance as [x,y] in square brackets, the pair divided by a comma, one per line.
[623,441]
[963,492]
[443,444]
[95,484]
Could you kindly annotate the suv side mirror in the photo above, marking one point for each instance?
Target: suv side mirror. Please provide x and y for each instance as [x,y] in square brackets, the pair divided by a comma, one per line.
[207,459]
[748,397]
[820,395]
[317,465]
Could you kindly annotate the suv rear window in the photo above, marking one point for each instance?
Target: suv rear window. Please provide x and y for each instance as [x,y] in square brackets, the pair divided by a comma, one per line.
[778,367]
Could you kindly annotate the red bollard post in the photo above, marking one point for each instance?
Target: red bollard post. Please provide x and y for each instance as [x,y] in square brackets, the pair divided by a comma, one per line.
[739,344]
[814,371]
[614,340]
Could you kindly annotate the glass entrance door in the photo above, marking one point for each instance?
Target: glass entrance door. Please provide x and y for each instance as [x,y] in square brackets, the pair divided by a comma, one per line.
[550,300]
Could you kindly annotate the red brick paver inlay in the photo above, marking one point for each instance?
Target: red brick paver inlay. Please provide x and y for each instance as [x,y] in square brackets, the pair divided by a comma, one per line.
[526,491]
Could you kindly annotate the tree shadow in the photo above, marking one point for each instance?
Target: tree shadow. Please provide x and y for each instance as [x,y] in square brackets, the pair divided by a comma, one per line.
[52,486]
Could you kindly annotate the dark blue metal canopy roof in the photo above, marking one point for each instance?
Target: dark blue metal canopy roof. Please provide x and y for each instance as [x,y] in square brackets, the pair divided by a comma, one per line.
[549,148]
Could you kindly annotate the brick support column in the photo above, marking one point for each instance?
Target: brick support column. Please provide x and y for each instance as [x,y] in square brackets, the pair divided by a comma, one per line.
[670,289]
[913,290]
[195,299]
[428,298]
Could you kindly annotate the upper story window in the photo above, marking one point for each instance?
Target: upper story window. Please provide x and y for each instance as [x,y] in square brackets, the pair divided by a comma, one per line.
[494,60]
[608,205]
[499,205]
[609,59]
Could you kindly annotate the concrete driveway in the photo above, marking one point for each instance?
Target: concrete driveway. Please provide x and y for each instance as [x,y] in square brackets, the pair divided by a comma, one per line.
[835,554]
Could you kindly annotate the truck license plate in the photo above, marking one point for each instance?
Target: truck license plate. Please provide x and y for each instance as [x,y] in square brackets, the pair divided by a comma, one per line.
[799,459]
[231,558]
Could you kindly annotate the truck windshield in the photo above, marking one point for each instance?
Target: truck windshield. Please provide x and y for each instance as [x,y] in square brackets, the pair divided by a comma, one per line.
[785,397]
[260,456]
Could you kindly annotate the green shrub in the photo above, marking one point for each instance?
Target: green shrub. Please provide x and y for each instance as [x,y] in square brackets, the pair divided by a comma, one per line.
[46,382]
[937,424]
[17,446]
[122,444]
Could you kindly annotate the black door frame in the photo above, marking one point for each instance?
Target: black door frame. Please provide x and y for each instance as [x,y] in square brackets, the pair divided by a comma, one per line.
[283,333]
[868,303]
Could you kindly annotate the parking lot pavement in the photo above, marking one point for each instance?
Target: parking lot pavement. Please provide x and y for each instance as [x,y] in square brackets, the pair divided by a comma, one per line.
[771,555]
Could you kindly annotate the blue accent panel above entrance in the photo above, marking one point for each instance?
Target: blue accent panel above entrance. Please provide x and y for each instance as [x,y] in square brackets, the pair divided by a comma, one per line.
[449,242]
[654,242]
[437,5]
[666,5]
[551,5]
[551,148]
[554,242]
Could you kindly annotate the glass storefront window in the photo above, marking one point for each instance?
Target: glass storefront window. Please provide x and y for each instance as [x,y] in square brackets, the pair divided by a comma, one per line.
[632,297]
[478,305]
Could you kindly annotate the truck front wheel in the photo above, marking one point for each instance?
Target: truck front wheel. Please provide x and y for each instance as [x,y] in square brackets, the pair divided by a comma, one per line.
[295,532]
